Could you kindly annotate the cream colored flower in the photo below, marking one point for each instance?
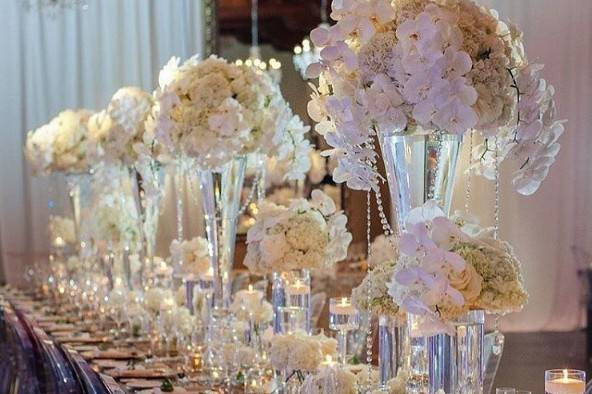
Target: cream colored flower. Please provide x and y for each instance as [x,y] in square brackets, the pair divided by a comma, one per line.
[468,282]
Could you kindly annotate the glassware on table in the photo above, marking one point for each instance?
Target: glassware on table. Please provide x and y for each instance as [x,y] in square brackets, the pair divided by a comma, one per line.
[291,319]
[343,318]
[565,381]
[505,390]
[291,289]
[523,392]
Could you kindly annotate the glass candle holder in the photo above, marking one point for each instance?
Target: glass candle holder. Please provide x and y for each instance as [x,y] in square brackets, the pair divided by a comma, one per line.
[343,317]
[565,381]
[297,288]
[291,319]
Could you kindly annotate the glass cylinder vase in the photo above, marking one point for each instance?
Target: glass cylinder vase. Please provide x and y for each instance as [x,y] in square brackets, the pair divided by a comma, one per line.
[455,361]
[393,352]
[221,192]
[290,295]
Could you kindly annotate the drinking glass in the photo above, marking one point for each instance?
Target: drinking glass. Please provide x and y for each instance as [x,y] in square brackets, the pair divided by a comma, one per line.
[505,390]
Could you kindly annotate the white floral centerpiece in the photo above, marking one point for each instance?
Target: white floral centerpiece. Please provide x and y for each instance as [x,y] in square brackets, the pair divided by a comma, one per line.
[423,66]
[306,235]
[372,294]
[444,271]
[300,352]
[117,133]
[213,111]
[61,145]
[193,253]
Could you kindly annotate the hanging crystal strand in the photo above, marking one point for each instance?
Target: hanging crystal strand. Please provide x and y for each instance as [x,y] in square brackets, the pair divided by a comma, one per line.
[368,241]
[496,209]
[178,178]
[254,188]
[469,175]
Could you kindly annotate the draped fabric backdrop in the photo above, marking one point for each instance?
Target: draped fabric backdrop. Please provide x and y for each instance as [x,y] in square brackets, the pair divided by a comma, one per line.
[73,59]
[81,58]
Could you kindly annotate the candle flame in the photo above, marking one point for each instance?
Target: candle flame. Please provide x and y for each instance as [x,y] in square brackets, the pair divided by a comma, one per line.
[565,374]
[250,287]
[344,300]
[298,284]
[329,358]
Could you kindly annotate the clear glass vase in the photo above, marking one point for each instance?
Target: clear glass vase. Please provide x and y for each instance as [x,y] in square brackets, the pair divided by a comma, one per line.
[291,301]
[420,168]
[393,352]
[221,196]
[455,361]
[148,192]
[78,185]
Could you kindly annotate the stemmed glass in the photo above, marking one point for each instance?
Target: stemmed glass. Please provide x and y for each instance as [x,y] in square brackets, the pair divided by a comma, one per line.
[343,318]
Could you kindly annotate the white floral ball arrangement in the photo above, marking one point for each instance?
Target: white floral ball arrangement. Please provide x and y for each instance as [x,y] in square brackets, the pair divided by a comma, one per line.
[444,271]
[61,145]
[372,294]
[117,133]
[300,352]
[193,253]
[213,110]
[430,66]
[306,235]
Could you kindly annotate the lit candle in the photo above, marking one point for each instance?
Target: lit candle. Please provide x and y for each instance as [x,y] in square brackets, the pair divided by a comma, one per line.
[250,296]
[298,288]
[568,383]
[209,275]
[344,307]
[328,361]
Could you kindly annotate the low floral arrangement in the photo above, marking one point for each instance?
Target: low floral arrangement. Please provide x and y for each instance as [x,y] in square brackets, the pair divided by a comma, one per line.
[117,132]
[430,66]
[250,306]
[213,111]
[306,235]
[60,145]
[445,270]
[62,230]
[300,352]
[372,294]
[193,254]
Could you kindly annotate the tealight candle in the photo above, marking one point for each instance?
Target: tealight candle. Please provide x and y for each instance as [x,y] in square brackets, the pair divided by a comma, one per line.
[566,381]
[297,288]
[250,296]
[343,307]
[328,362]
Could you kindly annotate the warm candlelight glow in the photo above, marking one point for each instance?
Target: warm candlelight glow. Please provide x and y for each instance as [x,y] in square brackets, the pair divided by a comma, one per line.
[565,374]
[250,288]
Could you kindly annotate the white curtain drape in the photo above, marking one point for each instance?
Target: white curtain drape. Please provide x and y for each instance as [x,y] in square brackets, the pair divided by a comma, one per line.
[72,59]
[551,230]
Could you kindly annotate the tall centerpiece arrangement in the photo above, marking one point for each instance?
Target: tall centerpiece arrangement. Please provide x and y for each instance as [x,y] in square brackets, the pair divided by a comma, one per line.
[118,135]
[217,113]
[449,273]
[404,82]
[62,146]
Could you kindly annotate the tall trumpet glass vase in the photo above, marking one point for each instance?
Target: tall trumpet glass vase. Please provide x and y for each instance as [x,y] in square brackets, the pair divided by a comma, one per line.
[221,192]
[77,183]
[420,168]
[148,193]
